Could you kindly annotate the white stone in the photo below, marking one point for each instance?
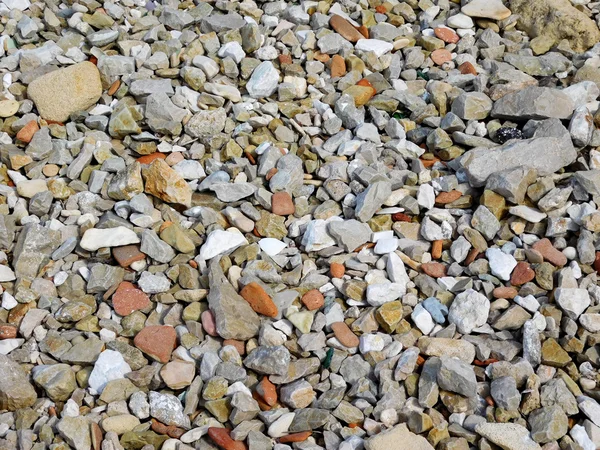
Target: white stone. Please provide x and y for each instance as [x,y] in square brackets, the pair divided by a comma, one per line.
[426,196]
[21,5]
[190,169]
[590,322]
[8,301]
[6,274]
[193,435]
[422,319]
[232,49]
[271,246]
[381,293]
[469,310]
[573,301]
[385,246]
[529,302]
[460,21]
[281,425]
[109,366]
[501,264]
[529,214]
[220,241]
[580,436]
[208,66]
[264,80]
[223,90]
[371,342]
[154,283]
[489,9]
[96,238]
[8,345]
[316,237]
[590,408]
[376,46]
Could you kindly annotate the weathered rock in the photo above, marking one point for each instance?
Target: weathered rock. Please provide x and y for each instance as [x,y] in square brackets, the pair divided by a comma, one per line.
[16,391]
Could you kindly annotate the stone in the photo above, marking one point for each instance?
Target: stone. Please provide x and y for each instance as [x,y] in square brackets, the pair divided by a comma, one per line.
[76,432]
[234,317]
[264,80]
[167,408]
[369,201]
[157,341]
[57,380]
[219,242]
[16,391]
[259,300]
[109,366]
[472,106]
[572,301]
[548,424]
[345,28]
[469,310]
[505,393]
[534,103]
[128,299]
[62,92]
[398,437]
[344,334]
[457,376]
[555,20]
[96,238]
[165,183]
[492,9]
[206,123]
[273,360]
[501,264]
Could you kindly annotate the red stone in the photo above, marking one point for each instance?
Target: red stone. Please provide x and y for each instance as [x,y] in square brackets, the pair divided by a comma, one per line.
[7,331]
[448,197]
[26,133]
[522,273]
[282,204]
[337,270]
[441,56]
[434,269]
[401,217]
[313,299]
[345,28]
[505,292]
[147,159]
[239,345]
[221,437]
[157,341]
[550,254]
[128,299]
[467,68]
[597,262]
[344,334]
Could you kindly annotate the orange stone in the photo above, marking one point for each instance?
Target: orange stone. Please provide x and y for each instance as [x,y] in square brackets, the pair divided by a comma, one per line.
[446,35]
[401,217]
[345,28]
[467,68]
[441,56]
[267,391]
[26,133]
[364,82]
[364,31]
[473,253]
[114,87]
[434,269]
[344,334]
[381,9]
[282,204]
[147,159]
[444,198]
[221,437]
[259,300]
[96,435]
[436,249]
[550,254]
[127,300]
[322,57]
[296,437]
[338,66]
[157,341]
[313,299]
[522,274]
[285,59]
[337,270]
[505,292]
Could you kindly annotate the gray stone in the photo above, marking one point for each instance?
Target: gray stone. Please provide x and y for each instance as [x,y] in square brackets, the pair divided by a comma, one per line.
[34,246]
[505,393]
[508,436]
[58,380]
[457,376]
[349,234]
[206,123]
[273,360]
[534,103]
[16,391]
[548,424]
[589,180]
[76,432]
[155,247]
[512,184]
[472,106]
[234,317]
[167,408]
[371,199]
[469,310]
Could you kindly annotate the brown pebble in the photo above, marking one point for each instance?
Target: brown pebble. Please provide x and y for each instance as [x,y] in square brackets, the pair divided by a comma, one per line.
[473,253]
[313,299]
[129,299]
[444,198]
[505,292]
[400,217]
[50,170]
[8,332]
[157,341]
[597,262]
[282,204]
[338,66]
[337,270]
[114,87]
[26,133]
[296,437]
[267,391]
[221,437]
[344,334]
[446,35]
[467,68]
[284,59]
[522,273]
[550,254]
[345,28]
[127,254]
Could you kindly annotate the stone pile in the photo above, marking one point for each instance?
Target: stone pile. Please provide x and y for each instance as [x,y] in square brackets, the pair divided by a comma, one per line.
[249,225]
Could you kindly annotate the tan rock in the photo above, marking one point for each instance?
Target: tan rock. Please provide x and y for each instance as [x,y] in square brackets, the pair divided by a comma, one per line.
[166,184]
[178,374]
[59,93]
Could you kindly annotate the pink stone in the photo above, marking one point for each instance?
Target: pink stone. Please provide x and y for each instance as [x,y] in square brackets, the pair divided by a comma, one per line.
[208,322]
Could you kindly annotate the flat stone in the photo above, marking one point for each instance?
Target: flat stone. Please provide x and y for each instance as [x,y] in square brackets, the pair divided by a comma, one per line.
[16,391]
[534,103]
[157,341]
[489,9]
[509,436]
[95,238]
[398,437]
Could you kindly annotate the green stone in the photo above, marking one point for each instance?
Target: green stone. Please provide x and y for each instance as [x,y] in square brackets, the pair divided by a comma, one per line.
[271,225]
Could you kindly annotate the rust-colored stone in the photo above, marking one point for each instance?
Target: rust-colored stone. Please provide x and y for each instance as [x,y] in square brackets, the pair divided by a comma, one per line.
[344,334]
[550,254]
[296,437]
[436,249]
[505,292]
[467,68]
[337,270]
[259,300]
[147,159]
[157,341]
[26,133]
[441,56]
[282,204]
[522,274]
[127,254]
[401,217]
[7,331]
[222,437]
[434,269]
[267,391]
[285,59]
[129,299]
[338,66]
[313,299]
[345,28]
[444,198]
[239,345]
[446,35]
[114,87]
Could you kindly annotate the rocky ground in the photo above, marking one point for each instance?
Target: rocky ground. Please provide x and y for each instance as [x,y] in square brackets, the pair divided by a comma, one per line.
[319,225]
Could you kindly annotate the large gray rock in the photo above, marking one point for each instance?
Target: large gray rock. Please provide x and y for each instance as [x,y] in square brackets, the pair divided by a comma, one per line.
[206,123]
[505,394]
[548,424]
[397,438]
[472,106]
[534,103]
[273,360]
[34,247]
[349,234]
[589,180]
[16,391]
[371,199]
[234,317]
[545,154]
[76,432]
[508,436]
[457,376]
